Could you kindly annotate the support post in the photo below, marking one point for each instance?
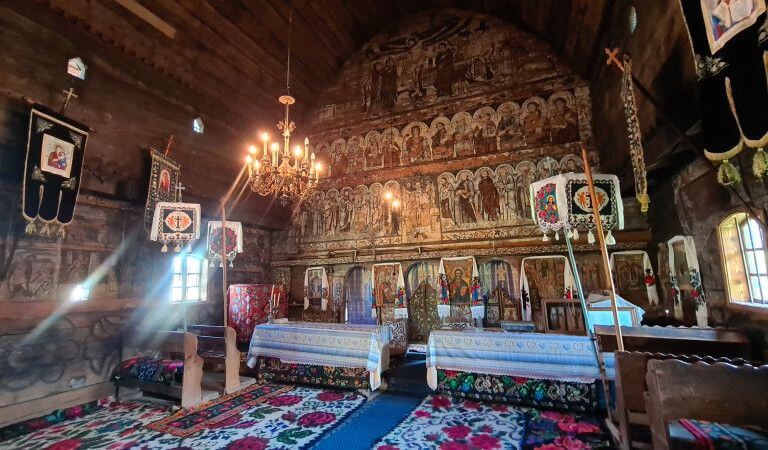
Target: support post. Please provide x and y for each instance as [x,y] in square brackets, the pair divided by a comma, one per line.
[603,247]
[223,260]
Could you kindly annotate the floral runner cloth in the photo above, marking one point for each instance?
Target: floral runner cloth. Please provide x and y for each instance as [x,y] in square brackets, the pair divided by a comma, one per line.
[545,356]
[324,344]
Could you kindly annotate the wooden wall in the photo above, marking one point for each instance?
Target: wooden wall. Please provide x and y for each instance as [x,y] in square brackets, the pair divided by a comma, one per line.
[54,353]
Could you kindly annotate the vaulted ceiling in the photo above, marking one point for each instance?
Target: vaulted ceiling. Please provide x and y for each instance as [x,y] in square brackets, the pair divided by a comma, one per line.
[232,54]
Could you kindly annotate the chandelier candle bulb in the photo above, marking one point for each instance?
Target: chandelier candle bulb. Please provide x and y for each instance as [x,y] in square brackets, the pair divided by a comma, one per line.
[275,152]
[252,149]
[306,149]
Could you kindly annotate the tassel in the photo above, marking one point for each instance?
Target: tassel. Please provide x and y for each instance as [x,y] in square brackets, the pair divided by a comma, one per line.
[165,248]
[575,234]
[230,264]
[557,235]
[373,312]
[30,230]
[545,238]
[45,231]
[609,239]
[645,202]
[221,264]
[177,249]
[760,164]
[590,237]
[61,233]
[569,234]
[210,264]
[728,174]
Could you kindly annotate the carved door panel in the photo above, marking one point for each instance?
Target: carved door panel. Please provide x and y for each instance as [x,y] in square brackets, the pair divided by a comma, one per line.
[422,310]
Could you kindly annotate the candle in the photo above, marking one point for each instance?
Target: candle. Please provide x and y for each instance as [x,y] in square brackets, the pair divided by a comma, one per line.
[318,168]
[297,152]
[275,152]
[257,166]
[248,161]
[265,140]
[306,149]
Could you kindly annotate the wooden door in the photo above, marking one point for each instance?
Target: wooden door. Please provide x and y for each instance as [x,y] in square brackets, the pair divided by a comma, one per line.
[422,311]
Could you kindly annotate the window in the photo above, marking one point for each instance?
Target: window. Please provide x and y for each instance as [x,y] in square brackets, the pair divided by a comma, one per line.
[745,261]
[190,276]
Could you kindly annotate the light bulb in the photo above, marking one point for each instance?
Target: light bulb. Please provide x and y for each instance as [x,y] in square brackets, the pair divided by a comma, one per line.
[265,137]
[248,159]
[274,146]
[252,149]
[388,195]
[395,203]
[318,167]
[297,151]
[257,164]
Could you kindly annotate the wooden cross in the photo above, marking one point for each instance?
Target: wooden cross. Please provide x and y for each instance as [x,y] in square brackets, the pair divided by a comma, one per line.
[179,190]
[169,143]
[613,58]
[69,94]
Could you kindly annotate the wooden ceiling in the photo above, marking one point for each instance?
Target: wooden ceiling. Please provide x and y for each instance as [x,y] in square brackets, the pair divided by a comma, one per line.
[231,53]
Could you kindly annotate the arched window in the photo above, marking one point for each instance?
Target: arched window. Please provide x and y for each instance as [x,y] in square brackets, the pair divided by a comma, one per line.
[745,260]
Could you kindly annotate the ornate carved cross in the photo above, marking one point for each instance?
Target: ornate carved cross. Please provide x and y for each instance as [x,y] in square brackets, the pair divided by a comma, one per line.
[69,95]
[179,190]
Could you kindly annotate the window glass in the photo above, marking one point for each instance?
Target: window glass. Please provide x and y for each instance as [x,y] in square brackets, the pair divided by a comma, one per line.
[189,279]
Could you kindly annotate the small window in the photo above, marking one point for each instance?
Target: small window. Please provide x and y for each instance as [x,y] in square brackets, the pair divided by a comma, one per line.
[190,276]
[745,261]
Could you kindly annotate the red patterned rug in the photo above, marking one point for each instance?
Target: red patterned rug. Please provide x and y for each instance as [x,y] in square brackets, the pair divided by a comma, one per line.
[192,420]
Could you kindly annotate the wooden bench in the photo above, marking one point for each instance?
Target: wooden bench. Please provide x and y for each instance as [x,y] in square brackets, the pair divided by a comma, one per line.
[631,388]
[722,342]
[716,393]
[217,345]
[188,390]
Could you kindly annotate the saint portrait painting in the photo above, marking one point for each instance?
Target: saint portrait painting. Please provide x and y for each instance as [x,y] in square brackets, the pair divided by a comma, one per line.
[56,156]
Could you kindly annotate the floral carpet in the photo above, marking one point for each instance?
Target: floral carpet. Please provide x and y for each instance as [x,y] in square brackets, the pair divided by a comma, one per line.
[292,418]
[447,423]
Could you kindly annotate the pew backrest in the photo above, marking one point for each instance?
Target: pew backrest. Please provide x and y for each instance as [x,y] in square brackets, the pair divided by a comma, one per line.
[677,340]
[712,392]
[164,341]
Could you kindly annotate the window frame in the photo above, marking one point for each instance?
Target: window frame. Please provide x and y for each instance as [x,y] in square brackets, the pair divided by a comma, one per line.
[741,221]
[201,279]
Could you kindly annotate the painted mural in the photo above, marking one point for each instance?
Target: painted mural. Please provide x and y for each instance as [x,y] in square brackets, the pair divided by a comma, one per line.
[512,126]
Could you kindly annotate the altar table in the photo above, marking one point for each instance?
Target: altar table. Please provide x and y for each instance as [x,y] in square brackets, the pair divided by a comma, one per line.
[543,370]
[312,347]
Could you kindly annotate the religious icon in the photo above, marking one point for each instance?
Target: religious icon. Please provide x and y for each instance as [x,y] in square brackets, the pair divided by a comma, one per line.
[484,132]
[416,146]
[164,183]
[56,156]
[465,199]
[535,122]
[724,19]
[442,142]
[510,130]
[462,134]
[563,118]
[488,196]
[459,287]
[389,84]
[444,72]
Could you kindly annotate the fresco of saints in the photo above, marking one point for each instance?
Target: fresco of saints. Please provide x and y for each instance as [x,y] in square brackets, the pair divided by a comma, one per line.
[446,200]
[511,133]
[444,70]
[485,135]
[442,142]
[345,212]
[330,214]
[459,288]
[416,147]
[360,214]
[355,155]
[391,151]
[489,196]
[535,124]
[565,127]
[465,194]
[374,158]
[462,138]
[389,84]
[375,94]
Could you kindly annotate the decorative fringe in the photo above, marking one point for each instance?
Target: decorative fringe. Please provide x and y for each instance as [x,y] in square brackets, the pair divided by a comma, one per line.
[61,233]
[645,202]
[575,234]
[545,238]
[230,264]
[373,312]
[177,249]
[45,231]
[728,174]
[760,164]
[30,229]
[165,248]
[557,235]
[609,239]
[590,237]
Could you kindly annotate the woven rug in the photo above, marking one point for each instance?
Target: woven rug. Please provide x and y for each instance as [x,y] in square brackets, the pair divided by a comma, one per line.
[455,423]
[192,420]
[295,419]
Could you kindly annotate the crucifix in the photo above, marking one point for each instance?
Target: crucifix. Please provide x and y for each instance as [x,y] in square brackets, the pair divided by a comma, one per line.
[179,190]
[69,95]
[613,58]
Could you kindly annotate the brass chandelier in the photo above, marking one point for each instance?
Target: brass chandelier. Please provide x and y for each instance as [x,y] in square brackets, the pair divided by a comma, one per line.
[278,172]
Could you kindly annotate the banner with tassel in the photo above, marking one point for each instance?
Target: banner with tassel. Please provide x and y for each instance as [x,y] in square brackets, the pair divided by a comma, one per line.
[760,164]
[234,238]
[175,223]
[635,138]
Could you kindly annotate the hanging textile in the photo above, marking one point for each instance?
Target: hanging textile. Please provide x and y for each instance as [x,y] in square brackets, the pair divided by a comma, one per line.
[728,41]
[649,278]
[316,286]
[456,276]
[635,138]
[163,183]
[175,223]
[562,202]
[234,236]
[52,171]
[388,288]
[525,299]
[685,277]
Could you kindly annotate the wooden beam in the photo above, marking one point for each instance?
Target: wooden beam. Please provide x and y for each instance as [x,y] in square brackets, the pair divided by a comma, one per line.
[149,17]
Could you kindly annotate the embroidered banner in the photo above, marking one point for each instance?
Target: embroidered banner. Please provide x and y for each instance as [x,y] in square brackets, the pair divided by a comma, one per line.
[316,286]
[633,271]
[723,20]
[163,180]
[458,283]
[177,223]
[52,172]
[234,239]
[388,288]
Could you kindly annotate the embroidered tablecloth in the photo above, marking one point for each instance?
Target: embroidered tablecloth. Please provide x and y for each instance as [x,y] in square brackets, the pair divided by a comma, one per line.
[325,344]
[544,356]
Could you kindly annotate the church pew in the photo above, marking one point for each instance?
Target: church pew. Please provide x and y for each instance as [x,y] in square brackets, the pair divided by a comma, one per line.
[218,348]
[189,389]
[631,388]
[722,393]
[720,342]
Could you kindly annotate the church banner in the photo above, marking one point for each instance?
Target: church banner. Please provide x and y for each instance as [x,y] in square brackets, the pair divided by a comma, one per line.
[316,286]
[163,180]
[52,171]
[629,260]
[458,279]
[177,223]
[525,297]
[388,288]
[234,241]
